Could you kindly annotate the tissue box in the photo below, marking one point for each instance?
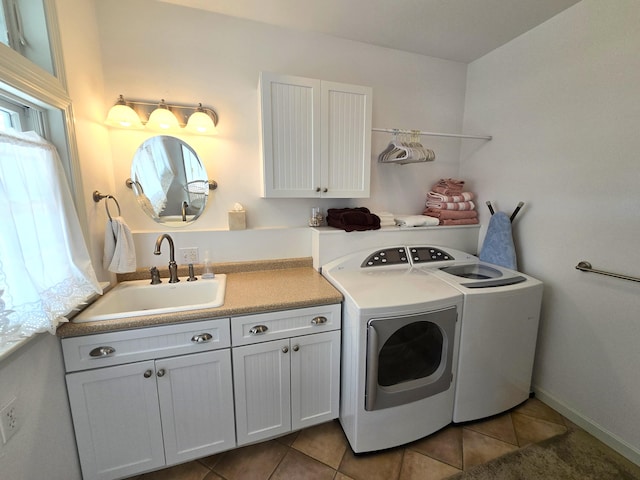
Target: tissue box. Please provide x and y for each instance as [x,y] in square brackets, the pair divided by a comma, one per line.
[237,220]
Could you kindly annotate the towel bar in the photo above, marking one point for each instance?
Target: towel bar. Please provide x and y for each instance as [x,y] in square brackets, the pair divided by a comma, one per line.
[586,267]
[97,196]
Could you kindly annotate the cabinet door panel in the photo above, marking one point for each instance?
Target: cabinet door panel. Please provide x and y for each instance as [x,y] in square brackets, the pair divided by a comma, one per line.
[196,401]
[290,132]
[116,420]
[346,140]
[315,378]
[262,385]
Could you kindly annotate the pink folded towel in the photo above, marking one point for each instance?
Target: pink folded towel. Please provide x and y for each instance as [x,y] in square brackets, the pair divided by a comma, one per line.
[450,214]
[438,197]
[452,205]
[449,186]
[459,221]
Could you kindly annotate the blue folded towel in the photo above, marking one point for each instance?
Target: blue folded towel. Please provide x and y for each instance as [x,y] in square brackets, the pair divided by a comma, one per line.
[498,247]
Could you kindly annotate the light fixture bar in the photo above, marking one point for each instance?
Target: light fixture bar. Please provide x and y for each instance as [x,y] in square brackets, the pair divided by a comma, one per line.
[169,117]
[182,112]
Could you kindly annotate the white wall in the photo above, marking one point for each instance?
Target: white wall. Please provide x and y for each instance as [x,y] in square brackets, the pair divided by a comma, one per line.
[216,60]
[562,103]
[44,446]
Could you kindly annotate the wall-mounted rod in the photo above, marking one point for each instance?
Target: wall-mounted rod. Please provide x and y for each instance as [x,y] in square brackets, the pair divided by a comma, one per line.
[433,134]
[586,267]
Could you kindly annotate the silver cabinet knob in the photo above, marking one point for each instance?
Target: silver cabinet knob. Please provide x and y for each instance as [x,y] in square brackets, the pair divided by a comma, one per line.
[102,352]
[285,349]
[296,348]
[319,320]
[161,372]
[317,189]
[148,374]
[325,190]
[258,329]
[202,338]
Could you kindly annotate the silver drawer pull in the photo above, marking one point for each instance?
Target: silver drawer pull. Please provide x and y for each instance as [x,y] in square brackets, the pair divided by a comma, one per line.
[296,348]
[258,329]
[285,349]
[102,352]
[148,374]
[161,372]
[202,338]
[319,321]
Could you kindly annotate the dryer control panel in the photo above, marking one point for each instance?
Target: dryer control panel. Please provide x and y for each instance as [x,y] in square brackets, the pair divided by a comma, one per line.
[387,256]
[406,255]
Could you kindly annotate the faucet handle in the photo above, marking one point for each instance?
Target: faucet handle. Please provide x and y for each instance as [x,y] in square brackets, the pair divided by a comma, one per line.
[192,277]
[155,276]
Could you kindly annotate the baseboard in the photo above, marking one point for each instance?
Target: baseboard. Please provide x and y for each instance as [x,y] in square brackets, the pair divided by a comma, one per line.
[610,439]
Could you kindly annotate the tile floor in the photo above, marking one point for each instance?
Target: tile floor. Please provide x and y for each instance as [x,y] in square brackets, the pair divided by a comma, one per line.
[322,452]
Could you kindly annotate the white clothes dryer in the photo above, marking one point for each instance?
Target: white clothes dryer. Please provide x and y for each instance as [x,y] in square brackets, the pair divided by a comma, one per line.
[400,330]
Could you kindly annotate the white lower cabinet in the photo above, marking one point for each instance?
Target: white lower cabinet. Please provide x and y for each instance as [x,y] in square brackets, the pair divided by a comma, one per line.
[141,416]
[152,397]
[290,383]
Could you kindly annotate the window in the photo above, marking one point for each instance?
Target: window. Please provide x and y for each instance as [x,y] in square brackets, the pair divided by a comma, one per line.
[23,27]
[36,174]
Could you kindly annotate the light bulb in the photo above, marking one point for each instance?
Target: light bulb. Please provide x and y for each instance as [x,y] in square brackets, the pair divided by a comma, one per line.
[201,123]
[122,115]
[162,118]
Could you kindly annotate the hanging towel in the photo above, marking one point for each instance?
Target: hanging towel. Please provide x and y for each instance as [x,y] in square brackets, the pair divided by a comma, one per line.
[119,250]
[498,245]
[415,221]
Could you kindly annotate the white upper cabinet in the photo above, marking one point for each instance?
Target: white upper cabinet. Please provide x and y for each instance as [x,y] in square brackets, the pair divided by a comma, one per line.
[315,138]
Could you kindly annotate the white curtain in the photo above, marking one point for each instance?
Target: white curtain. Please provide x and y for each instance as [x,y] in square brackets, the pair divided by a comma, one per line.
[45,269]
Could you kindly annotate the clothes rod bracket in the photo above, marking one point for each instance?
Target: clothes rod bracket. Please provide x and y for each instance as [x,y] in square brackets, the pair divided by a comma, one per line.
[586,267]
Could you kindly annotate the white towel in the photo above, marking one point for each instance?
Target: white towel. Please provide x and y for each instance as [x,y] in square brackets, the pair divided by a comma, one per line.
[119,250]
[416,220]
[386,219]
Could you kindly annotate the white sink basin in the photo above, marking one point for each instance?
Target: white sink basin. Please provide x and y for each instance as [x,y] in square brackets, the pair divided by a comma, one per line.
[139,297]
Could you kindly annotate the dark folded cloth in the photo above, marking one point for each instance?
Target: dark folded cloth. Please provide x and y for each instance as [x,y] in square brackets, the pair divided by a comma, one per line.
[350,219]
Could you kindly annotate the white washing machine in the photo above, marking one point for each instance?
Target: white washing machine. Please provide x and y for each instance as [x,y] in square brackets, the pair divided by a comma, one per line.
[501,312]
[400,331]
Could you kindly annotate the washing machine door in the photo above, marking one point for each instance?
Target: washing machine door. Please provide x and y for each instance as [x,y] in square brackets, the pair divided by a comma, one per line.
[409,358]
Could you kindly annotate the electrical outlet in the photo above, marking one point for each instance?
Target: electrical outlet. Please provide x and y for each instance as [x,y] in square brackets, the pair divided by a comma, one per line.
[188,255]
[10,420]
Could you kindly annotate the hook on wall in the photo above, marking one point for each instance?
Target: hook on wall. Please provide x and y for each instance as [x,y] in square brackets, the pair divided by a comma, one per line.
[513,215]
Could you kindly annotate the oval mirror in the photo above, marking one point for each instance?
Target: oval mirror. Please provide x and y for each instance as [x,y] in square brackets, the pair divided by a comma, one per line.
[169,181]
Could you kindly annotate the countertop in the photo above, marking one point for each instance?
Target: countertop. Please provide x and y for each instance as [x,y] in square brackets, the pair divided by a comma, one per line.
[274,285]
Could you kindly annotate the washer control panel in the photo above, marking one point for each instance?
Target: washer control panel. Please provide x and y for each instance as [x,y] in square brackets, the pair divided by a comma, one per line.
[387,256]
[428,254]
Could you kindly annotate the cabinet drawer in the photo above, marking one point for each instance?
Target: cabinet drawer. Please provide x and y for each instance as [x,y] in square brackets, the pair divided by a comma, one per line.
[262,327]
[115,348]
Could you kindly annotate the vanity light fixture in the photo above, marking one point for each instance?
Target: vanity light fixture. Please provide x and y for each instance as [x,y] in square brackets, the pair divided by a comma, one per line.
[170,118]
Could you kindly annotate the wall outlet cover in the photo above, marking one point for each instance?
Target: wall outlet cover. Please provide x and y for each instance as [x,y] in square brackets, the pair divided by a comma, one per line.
[10,420]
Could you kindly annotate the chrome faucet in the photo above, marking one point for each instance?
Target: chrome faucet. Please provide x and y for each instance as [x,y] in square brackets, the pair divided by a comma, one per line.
[173,266]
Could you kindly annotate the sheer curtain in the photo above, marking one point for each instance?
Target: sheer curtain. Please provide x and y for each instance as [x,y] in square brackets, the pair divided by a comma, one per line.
[45,269]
